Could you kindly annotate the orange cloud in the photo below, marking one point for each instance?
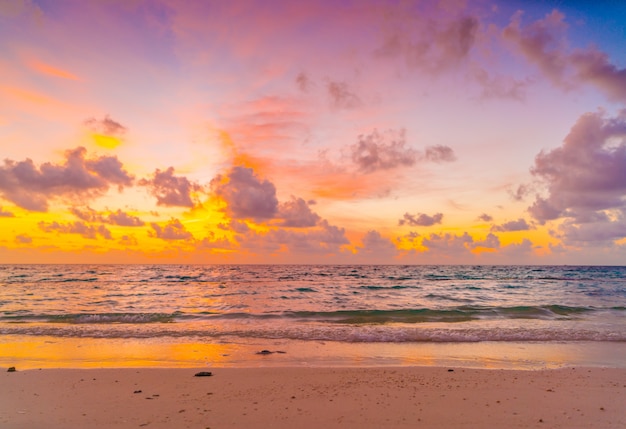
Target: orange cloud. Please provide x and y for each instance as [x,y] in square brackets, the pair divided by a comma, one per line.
[49,70]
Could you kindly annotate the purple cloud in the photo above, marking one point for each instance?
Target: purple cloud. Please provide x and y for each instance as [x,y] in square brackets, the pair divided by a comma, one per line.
[106,126]
[23,239]
[514,225]
[585,174]
[172,230]
[420,219]
[5,213]
[31,187]
[247,196]
[171,190]
[80,228]
[377,246]
[385,151]
[297,213]
[341,96]
[426,45]
[439,154]
[585,180]
[485,217]
[114,218]
[544,43]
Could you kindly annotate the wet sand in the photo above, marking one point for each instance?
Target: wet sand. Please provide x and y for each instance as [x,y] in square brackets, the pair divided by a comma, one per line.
[402,397]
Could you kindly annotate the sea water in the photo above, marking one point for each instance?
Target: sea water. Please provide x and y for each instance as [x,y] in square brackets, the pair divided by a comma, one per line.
[197,315]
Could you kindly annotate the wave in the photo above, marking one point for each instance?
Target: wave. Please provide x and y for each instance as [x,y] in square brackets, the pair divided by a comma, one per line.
[347,317]
[348,334]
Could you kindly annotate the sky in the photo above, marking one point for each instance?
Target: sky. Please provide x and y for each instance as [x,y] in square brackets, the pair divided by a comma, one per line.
[350,132]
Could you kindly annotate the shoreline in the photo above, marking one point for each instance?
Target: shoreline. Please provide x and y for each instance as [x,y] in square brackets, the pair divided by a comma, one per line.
[312,397]
[34,352]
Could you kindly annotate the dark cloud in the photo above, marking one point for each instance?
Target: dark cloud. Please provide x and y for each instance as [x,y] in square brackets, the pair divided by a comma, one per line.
[172,230]
[297,213]
[385,151]
[341,96]
[246,196]
[439,153]
[514,225]
[80,228]
[485,217]
[171,190]
[5,213]
[32,187]
[587,173]
[420,219]
[106,126]
[114,218]
[544,43]
[23,239]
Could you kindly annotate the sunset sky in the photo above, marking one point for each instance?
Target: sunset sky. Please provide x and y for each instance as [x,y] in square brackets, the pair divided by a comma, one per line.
[407,132]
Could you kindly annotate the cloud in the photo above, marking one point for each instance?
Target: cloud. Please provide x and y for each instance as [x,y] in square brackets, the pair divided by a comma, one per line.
[304,82]
[5,213]
[420,219]
[585,180]
[324,239]
[341,96]
[439,153]
[297,213]
[172,230]
[23,239]
[114,218]
[514,225]
[31,187]
[544,43]
[520,193]
[246,196]
[80,228]
[586,174]
[500,87]
[106,126]
[171,190]
[377,246]
[448,244]
[490,242]
[385,151]
[485,217]
[432,42]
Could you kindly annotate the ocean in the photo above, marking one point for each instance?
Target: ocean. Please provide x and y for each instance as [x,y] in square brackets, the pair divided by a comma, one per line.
[249,315]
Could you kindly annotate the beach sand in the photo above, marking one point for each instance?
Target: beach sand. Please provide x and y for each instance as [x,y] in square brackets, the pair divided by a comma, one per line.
[398,397]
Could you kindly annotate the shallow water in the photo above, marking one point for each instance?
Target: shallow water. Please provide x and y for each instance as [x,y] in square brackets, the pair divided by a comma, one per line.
[384,314]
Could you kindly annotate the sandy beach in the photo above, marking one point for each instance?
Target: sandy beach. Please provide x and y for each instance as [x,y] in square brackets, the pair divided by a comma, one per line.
[400,397]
